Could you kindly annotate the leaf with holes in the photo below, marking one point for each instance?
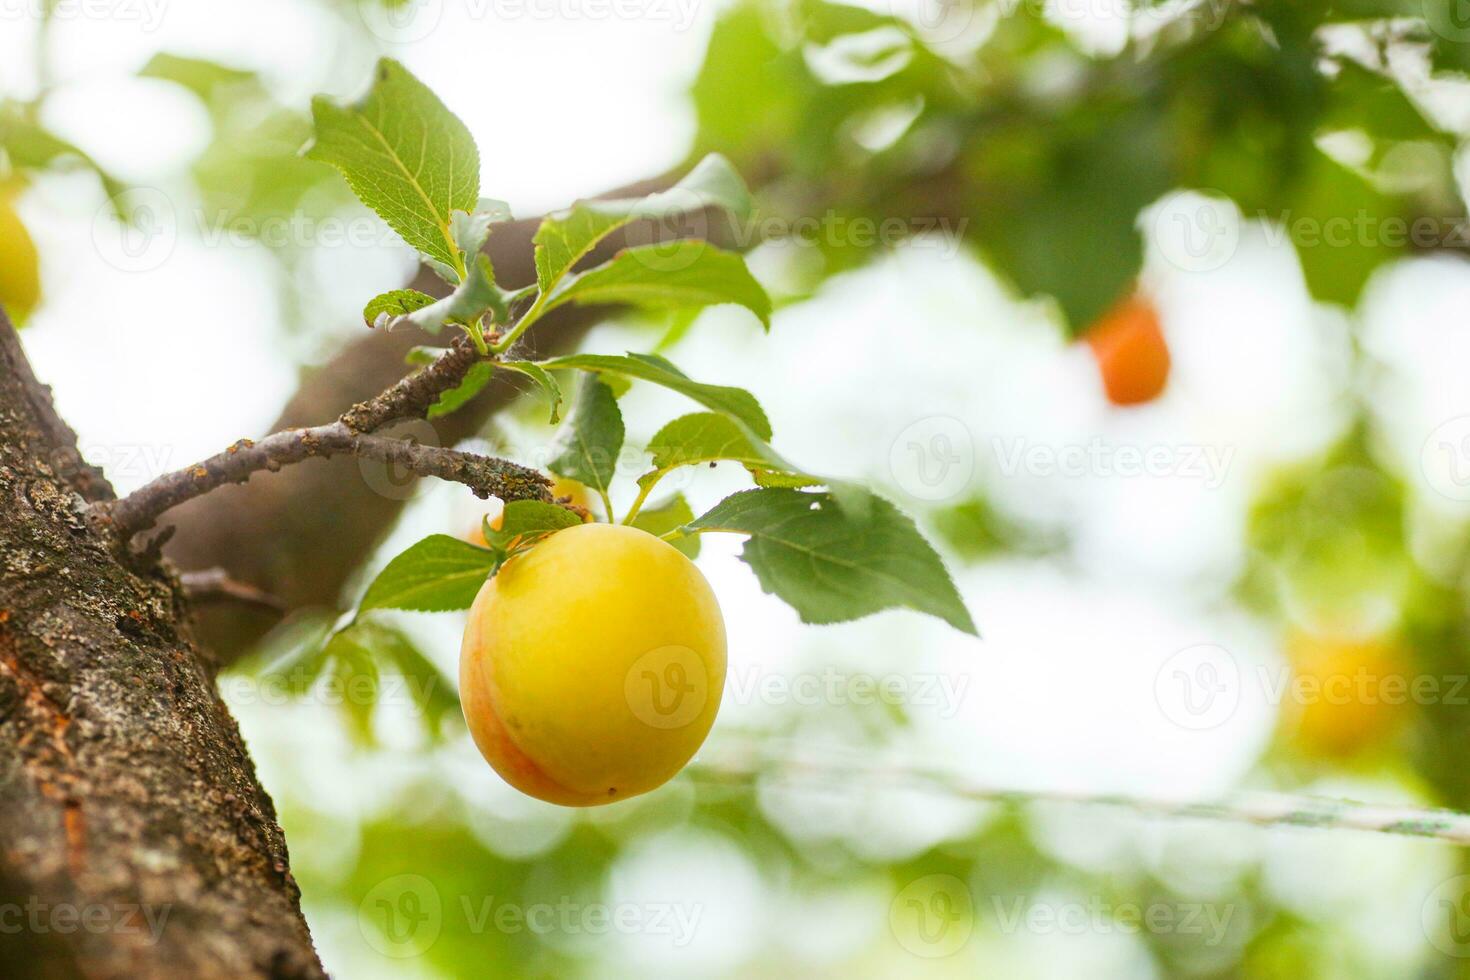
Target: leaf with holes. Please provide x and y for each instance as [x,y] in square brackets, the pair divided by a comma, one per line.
[707,437]
[384,308]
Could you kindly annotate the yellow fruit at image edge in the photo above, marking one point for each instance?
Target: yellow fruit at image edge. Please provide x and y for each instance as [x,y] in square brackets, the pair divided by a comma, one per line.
[1349,693]
[592,665]
[20,280]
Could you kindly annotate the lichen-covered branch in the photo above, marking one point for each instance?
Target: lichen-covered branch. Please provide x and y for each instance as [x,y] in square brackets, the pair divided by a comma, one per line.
[484,475]
[411,397]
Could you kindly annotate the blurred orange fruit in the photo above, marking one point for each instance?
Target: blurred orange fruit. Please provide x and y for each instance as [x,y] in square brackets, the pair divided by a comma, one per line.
[1346,693]
[1128,344]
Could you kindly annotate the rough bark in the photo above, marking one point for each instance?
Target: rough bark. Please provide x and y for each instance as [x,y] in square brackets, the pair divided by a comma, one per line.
[300,534]
[135,839]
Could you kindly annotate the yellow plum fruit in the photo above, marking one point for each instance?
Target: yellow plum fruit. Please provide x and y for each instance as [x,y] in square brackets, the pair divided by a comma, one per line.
[592,665]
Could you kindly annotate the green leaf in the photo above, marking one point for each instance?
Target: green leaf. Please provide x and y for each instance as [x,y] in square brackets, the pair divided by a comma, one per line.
[836,562]
[206,79]
[687,274]
[539,375]
[357,677]
[566,237]
[734,402]
[293,651]
[528,520]
[705,437]
[591,439]
[393,304]
[438,574]
[673,513]
[432,693]
[405,155]
[475,379]
[29,145]
[471,299]
[470,231]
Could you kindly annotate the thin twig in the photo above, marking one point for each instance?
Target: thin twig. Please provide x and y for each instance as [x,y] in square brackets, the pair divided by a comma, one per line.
[349,435]
[214,584]
[1259,809]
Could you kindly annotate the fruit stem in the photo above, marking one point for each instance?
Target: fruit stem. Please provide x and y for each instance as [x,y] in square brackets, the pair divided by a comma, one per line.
[643,491]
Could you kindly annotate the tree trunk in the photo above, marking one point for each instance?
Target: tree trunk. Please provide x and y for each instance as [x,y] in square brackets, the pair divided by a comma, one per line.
[135,839]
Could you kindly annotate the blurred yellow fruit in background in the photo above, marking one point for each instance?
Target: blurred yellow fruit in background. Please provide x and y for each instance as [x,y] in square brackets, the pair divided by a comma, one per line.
[1347,693]
[20,269]
[592,665]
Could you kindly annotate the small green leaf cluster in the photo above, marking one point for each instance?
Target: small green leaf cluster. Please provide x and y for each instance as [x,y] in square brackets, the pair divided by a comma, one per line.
[415,163]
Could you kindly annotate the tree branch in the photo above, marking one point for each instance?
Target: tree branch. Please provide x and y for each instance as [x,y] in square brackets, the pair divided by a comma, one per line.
[349,435]
[411,397]
[484,475]
[215,583]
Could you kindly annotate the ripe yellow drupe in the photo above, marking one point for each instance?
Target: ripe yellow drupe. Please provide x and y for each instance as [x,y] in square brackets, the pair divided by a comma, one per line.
[592,665]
